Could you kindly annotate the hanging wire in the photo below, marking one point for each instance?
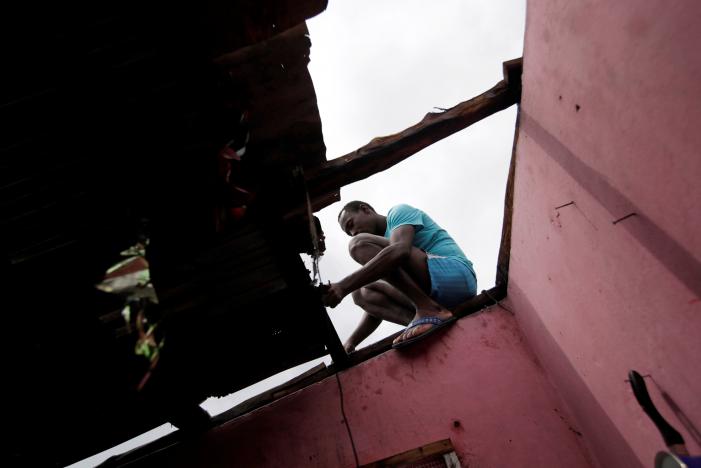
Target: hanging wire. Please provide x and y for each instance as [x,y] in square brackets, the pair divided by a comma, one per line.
[345,420]
[316,251]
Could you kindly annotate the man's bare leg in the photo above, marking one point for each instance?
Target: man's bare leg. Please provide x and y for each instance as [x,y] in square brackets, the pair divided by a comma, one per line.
[380,301]
[413,279]
[384,301]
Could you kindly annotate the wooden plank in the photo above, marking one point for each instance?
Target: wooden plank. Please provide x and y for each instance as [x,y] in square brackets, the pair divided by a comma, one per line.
[332,341]
[271,76]
[231,25]
[512,70]
[313,375]
[384,152]
[512,73]
[487,298]
[279,47]
[440,447]
[296,383]
[505,246]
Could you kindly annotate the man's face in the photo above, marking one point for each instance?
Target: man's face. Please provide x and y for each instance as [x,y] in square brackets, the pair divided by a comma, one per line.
[355,222]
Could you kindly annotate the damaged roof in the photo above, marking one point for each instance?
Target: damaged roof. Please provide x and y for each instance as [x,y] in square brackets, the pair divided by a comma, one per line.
[194,130]
[187,126]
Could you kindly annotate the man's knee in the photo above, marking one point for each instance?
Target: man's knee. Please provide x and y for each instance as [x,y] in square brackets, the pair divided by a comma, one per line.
[366,294]
[357,296]
[363,247]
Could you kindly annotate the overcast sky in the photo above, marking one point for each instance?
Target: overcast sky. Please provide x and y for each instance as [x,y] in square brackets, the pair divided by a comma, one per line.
[378,67]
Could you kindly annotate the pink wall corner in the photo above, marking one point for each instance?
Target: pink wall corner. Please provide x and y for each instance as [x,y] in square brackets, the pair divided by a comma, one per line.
[609,120]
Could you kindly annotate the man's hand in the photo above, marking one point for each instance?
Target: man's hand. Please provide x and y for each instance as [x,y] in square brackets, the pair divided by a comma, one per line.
[349,347]
[334,295]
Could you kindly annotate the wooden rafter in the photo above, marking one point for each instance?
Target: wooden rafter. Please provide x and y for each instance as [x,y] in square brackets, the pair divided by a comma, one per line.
[384,152]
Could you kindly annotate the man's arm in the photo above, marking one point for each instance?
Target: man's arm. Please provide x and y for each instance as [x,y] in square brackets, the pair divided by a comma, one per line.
[367,325]
[387,260]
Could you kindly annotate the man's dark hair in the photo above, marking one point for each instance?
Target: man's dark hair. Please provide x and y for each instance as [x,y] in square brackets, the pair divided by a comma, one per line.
[354,206]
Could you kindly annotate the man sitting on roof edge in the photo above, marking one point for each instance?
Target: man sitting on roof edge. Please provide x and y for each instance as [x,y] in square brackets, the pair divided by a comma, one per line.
[412,272]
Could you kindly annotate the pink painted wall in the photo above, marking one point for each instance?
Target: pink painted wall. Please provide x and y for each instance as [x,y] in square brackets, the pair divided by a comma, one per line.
[479,373]
[610,119]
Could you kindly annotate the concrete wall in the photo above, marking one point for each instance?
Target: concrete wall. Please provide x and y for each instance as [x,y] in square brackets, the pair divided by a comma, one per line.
[476,383]
[610,119]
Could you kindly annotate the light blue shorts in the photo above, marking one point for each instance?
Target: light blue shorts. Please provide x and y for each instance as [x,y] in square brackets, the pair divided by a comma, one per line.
[452,282]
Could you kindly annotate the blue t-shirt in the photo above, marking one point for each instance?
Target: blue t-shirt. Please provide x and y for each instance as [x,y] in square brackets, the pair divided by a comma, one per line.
[428,236]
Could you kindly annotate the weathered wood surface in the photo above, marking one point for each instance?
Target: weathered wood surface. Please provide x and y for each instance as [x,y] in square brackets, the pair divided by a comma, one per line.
[232,25]
[274,86]
[505,246]
[384,152]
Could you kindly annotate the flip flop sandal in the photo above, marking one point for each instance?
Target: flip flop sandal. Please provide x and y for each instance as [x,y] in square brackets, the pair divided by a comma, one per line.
[435,321]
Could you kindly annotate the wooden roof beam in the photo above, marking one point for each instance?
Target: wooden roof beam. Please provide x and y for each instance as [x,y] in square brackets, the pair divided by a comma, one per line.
[384,152]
